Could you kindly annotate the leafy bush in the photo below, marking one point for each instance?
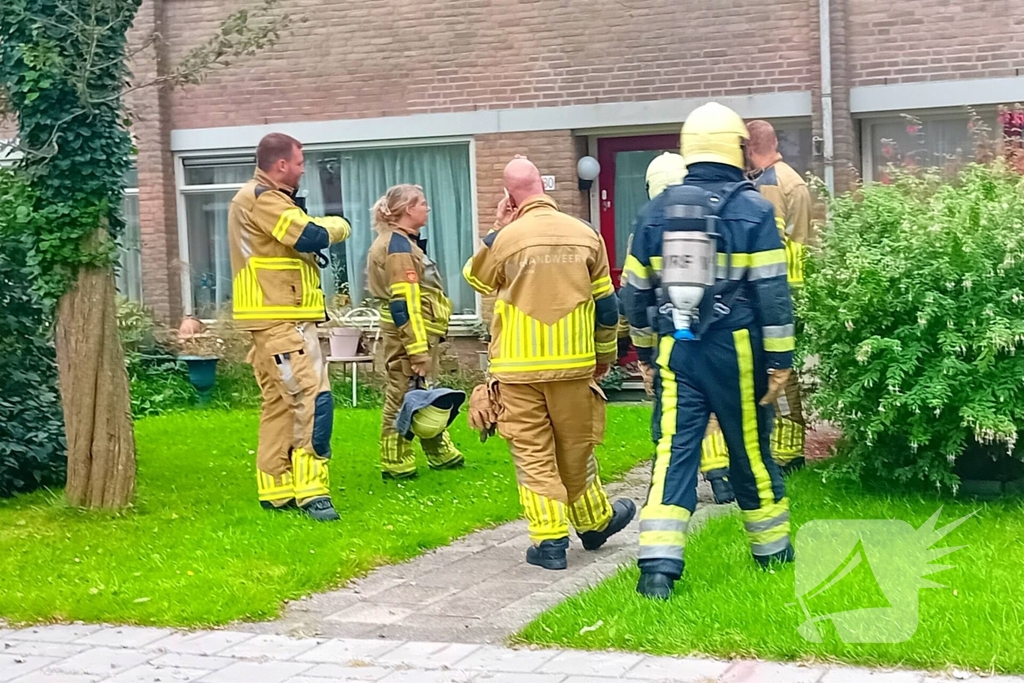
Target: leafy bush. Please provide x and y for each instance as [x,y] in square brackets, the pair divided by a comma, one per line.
[915,305]
[32,443]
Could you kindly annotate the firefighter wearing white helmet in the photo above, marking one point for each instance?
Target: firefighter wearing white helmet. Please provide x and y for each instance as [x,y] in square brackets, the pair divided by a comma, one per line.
[664,171]
[706,277]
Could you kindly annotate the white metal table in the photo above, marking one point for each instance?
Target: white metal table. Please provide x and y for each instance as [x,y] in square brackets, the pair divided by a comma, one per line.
[355,361]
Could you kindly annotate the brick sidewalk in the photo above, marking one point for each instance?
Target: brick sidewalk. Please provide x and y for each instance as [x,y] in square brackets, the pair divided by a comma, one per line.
[95,654]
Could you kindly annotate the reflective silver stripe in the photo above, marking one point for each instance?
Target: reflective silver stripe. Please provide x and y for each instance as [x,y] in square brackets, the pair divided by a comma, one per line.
[736,273]
[641,331]
[778,331]
[663,525]
[765,272]
[660,552]
[755,527]
[763,549]
[637,281]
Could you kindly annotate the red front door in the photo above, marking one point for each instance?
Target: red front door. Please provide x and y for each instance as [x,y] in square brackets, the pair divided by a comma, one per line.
[623,187]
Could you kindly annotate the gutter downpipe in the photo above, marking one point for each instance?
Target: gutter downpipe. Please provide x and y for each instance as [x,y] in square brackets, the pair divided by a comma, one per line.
[828,142]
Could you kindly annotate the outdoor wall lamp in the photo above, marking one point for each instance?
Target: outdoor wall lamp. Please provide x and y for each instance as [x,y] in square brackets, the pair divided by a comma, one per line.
[587,169]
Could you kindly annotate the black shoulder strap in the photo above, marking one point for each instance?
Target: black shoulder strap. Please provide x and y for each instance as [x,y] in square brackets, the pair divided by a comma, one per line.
[719,308]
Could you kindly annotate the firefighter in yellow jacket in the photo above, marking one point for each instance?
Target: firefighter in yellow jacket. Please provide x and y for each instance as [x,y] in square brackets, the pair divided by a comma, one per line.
[414,318]
[553,331]
[786,190]
[276,254]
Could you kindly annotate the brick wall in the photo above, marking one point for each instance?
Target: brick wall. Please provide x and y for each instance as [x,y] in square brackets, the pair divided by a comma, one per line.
[927,40]
[150,107]
[383,58]
[554,153]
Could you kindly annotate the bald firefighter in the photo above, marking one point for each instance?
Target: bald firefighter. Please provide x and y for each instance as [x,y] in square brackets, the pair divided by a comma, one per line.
[552,334]
[786,190]
[276,255]
[707,275]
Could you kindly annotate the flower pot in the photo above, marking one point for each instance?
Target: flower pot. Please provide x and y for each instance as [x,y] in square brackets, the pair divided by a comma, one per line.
[988,471]
[202,372]
[345,341]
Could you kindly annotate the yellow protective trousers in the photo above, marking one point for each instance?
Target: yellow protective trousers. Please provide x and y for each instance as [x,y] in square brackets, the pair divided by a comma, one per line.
[396,454]
[552,429]
[724,372]
[297,416]
[788,433]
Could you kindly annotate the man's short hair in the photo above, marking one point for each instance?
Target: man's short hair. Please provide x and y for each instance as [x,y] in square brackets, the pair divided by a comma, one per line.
[273,148]
[763,140]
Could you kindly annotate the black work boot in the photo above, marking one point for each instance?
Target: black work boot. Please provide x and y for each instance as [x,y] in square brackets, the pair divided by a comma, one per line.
[623,511]
[782,557]
[456,464]
[289,505]
[549,554]
[655,585]
[385,475]
[792,466]
[720,486]
[321,509]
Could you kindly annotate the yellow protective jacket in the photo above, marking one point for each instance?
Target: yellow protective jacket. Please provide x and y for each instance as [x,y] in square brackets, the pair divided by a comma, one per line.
[788,193]
[555,313]
[275,255]
[408,285]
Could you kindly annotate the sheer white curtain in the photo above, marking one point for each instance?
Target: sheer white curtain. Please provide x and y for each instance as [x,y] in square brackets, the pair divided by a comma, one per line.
[443,172]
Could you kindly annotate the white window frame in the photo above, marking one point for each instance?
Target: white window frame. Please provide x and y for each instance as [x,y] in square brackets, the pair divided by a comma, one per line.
[462,324]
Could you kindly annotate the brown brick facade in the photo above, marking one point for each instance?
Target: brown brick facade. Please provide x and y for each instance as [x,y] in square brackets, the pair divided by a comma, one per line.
[931,40]
[554,153]
[379,58]
[151,128]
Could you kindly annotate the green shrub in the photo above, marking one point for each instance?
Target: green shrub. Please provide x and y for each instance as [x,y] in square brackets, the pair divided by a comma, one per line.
[32,443]
[915,306]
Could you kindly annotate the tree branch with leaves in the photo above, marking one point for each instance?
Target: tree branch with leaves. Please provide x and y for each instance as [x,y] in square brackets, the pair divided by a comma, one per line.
[64,72]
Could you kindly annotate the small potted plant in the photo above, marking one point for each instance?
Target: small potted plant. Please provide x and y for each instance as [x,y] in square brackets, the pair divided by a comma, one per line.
[200,350]
[344,336]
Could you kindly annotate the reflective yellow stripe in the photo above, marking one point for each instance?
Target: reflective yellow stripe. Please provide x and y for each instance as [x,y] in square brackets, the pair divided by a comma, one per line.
[656,263]
[474,282]
[285,221]
[248,297]
[748,408]
[780,345]
[537,366]
[755,260]
[607,347]
[633,265]
[601,287]
[795,262]
[526,345]
[645,341]
[663,538]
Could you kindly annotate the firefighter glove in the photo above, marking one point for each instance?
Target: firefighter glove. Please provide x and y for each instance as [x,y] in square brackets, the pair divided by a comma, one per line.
[777,380]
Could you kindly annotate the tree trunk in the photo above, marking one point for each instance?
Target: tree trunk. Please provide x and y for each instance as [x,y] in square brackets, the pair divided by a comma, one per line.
[94,393]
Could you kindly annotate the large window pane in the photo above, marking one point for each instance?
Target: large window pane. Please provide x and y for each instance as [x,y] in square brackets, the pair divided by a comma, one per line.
[129,271]
[795,146]
[209,258]
[921,142]
[630,195]
[443,172]
[218,174]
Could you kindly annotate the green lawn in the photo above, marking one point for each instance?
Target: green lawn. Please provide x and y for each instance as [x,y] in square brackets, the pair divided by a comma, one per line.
[726,607]
[197,550]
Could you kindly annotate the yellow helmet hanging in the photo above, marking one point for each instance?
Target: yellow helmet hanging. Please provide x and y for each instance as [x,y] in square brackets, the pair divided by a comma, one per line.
[713,132]
[429,421]
[667,169]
